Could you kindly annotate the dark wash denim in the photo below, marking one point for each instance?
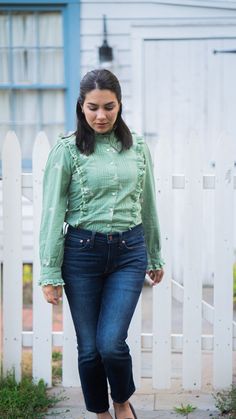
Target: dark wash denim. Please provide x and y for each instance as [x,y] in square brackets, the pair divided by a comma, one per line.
[104,275]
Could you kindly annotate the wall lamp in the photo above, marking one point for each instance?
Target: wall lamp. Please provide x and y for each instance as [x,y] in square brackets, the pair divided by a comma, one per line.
[105,52]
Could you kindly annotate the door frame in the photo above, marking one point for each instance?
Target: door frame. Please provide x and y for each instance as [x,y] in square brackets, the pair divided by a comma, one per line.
[169,29]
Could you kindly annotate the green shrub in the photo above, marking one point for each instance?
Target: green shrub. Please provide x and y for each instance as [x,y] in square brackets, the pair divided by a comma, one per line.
[56,356]
[27,273]
[226,401]
[24,400]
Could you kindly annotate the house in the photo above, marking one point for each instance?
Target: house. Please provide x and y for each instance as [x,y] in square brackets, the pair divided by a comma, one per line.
[175,60]
[184,64]
[176,63]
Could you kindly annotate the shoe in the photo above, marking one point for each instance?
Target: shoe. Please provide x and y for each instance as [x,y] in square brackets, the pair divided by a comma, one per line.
[133,411]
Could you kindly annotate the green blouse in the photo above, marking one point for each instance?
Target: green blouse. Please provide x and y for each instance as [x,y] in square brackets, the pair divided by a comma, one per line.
[109,190]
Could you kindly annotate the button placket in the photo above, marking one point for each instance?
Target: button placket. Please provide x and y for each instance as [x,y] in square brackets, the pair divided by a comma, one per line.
[115,186]
[111,212]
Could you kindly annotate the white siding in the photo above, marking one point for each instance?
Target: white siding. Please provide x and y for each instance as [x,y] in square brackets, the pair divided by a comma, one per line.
[121,17]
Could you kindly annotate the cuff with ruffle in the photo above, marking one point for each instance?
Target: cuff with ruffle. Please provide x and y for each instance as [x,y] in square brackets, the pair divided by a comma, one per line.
[50,275]
[155,265]
[54,282]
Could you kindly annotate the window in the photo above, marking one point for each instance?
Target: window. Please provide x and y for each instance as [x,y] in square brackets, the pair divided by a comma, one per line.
[32,81]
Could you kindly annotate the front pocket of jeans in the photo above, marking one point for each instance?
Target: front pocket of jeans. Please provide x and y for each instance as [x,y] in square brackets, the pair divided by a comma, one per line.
[133,244]
[78,244]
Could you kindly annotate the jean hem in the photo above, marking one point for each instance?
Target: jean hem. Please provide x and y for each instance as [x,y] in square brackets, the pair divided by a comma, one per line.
[124,400]
[98,410]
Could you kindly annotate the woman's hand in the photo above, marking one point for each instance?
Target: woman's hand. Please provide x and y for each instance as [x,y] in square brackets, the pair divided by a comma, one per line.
[52,294]
[155,275]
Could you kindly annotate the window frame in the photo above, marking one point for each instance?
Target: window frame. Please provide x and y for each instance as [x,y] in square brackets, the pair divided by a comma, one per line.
[70,11]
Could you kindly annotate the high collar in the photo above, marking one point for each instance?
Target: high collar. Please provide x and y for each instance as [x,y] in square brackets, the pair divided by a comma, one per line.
[104,136]
[109,138]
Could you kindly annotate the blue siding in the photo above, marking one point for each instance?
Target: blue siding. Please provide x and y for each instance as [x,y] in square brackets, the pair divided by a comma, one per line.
[72,61]
[35,2]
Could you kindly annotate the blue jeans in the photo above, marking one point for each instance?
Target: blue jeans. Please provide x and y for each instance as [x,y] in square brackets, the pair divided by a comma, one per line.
[104,275]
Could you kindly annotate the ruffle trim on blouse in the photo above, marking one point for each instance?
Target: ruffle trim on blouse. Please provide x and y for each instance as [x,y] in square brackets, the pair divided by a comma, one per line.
[85,191]
[136,195]
[156,266]
[51,282]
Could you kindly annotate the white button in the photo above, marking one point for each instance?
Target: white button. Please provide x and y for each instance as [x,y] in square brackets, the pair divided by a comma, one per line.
[112,162]
[108,225]
[111,209]
[113,193]
[114,151]
[108,149]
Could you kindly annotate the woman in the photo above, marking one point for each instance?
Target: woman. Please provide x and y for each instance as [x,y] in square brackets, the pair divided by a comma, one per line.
[99,180]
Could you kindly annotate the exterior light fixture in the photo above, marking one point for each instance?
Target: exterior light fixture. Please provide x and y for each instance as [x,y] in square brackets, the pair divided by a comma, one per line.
[224,51]
[105,52]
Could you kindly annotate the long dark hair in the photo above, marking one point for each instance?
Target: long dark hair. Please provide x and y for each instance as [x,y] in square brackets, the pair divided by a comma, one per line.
[85,137]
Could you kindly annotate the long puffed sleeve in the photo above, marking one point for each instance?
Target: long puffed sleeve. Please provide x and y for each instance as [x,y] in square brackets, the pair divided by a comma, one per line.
[56,182]
[149,215]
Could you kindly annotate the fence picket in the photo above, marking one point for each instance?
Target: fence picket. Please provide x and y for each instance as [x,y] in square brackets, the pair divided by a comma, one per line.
[70,375]
[223,281]
[161,355]
[193,263]
[42,317]
[134,342]
[12,255]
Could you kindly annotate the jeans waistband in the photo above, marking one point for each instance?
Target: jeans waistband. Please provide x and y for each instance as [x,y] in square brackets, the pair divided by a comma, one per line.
[109,237]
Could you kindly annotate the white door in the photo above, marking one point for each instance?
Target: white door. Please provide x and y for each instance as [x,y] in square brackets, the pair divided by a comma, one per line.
[189,86]
[189,90]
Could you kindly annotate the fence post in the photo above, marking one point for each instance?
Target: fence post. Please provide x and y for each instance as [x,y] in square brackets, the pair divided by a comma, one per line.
[134,341]
[193,262]
[42,311]
[70,373]
[12,255]
[223,284]
[161,355]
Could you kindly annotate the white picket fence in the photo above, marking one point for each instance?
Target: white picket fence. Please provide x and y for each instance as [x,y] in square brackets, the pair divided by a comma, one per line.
[18,188]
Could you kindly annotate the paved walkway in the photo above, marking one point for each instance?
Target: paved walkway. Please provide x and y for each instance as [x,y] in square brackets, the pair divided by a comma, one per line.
[149,404]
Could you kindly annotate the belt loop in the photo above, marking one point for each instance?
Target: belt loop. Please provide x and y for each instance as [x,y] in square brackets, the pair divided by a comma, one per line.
[120,239]
[92,238]
[65,228]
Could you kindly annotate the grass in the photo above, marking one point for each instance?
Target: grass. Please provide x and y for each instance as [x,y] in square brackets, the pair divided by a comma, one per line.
[26,399]
[184,410]
[26,363]
[56,366]
[27,273]
[225,401]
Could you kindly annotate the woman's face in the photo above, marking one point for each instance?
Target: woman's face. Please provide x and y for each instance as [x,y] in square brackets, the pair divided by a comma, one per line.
[100,110]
